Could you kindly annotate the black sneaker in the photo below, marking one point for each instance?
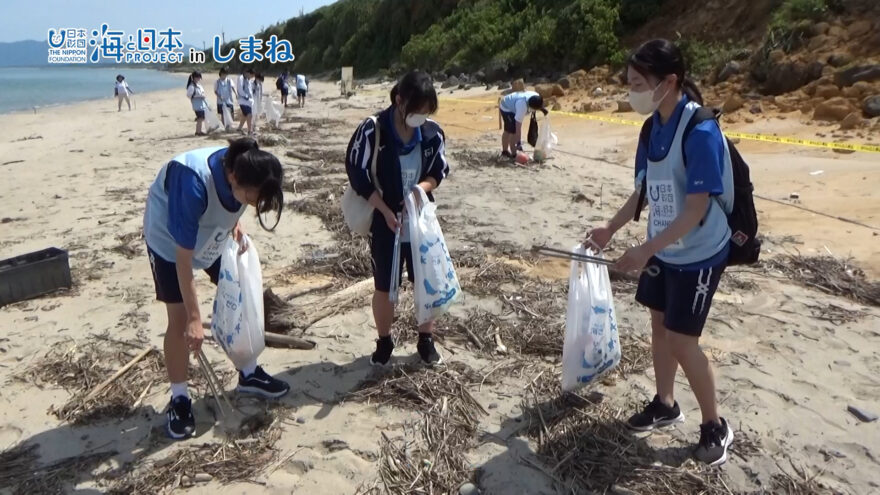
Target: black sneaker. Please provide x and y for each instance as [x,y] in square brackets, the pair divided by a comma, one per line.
[427,352]
[714,440]
[382,355]
[656,414]
[181,423]
[262,384]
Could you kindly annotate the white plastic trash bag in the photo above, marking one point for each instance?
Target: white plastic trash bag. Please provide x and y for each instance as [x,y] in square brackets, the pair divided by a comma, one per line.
[436,284]
[546,140]
[592,345]
[227,117]
[274,110]
[211,119]
[237,324]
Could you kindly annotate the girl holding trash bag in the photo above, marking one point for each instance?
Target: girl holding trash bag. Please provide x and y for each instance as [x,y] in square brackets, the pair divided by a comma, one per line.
[688,237]
[192,207]
[411,152]
[196,94]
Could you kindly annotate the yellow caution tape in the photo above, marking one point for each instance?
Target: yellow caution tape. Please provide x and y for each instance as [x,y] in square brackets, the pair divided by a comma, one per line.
[871,148]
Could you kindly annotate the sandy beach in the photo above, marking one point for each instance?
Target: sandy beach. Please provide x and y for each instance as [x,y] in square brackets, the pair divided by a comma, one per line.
[789,358]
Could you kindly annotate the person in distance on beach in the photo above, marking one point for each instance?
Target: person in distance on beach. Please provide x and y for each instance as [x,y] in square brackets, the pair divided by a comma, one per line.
[513,109]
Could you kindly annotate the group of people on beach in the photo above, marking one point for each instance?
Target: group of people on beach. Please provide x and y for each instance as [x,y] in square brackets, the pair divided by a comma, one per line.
[199,196]
[247,90]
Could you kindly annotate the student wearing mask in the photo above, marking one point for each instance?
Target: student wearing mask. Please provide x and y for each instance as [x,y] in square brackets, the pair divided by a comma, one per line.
[688,237]
[411,153]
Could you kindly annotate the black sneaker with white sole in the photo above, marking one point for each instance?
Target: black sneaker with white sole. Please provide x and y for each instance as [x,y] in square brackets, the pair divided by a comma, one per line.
[656,414]
[427,352]
[715,438]
[261,383]
[180,421]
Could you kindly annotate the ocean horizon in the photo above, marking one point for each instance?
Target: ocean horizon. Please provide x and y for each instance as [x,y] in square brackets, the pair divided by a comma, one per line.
[26,88]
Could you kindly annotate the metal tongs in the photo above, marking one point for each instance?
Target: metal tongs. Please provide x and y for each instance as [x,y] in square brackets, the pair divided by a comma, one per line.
[652,270]
[394,291]
[231,419]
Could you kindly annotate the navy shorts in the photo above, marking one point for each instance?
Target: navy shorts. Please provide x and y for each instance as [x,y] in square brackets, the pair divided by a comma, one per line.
[284,92]
[200,115]
[231,108]
[165,277]
[509,119]
[301,92]
[382,252]
[683,296]
[246,110]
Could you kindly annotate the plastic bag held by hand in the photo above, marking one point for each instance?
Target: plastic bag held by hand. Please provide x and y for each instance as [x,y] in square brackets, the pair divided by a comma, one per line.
[436,284]
[546,140]
[237,324]
[592,346]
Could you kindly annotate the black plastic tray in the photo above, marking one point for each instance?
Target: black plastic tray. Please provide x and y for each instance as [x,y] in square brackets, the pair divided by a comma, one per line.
[33,274]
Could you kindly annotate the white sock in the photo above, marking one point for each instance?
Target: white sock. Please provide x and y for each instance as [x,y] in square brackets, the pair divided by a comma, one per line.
[178,390]
[248,369]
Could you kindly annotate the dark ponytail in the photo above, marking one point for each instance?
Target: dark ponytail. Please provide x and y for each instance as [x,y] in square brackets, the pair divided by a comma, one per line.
[691,90]
[660,58]
[253,167]
[191,80]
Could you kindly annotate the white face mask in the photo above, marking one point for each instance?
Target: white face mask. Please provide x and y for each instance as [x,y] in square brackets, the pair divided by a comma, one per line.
[416,119]
[643,101]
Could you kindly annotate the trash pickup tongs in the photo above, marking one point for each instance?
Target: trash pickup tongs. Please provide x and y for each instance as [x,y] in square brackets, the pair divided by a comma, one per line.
[224,405]
[394,292]
[651,270]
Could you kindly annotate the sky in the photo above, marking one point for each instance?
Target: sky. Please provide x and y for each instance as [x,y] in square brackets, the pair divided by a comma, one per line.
[198,20]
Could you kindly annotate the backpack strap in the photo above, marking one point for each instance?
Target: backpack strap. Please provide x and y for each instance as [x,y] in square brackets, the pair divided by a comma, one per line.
[644,137]
[373,165]
[701,115]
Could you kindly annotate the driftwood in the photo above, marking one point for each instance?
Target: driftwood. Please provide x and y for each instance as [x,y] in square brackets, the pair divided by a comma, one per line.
[280,340]
[300,156]
[100,388]
[283,317]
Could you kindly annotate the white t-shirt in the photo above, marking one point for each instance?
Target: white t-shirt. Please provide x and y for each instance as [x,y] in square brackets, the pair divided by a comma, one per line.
[301,82]
[122,88]
[245,91]
[196,95]
[517,103]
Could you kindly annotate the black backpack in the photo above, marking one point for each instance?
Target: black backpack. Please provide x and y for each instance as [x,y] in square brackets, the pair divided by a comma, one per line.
[279,83]
[745,247]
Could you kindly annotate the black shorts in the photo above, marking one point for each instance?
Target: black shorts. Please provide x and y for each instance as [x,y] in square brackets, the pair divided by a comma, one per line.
[509,119]
[382,252]
[200,115]
[683,296]
[246,110]
[165,277]
[231,108]
[301,92]
[284,92]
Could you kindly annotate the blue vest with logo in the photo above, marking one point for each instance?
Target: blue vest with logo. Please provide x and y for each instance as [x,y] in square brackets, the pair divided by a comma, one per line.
[215,224]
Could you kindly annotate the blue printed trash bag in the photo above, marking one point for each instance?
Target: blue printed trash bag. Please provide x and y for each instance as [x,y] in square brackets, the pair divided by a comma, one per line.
[592,344]
[436,284]
[237,324]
